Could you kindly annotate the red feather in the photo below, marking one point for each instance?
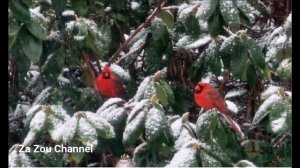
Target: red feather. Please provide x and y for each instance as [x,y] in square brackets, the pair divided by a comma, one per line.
[208,98]
[108,85]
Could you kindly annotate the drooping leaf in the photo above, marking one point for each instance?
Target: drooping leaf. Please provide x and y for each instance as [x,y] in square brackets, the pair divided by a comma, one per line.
[31,46]
[37,25]
[20,10]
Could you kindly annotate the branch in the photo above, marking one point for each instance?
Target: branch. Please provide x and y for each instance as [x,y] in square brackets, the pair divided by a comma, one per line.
[143,25]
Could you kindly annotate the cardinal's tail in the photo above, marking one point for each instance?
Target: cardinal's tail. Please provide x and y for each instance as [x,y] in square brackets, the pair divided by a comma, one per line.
[234,125]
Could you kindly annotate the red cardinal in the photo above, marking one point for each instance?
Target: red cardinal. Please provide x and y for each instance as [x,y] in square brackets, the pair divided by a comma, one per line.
[207,97]
[108,85]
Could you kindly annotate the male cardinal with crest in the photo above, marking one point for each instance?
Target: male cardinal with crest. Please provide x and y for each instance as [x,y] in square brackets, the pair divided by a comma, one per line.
[208,98]
[108,84]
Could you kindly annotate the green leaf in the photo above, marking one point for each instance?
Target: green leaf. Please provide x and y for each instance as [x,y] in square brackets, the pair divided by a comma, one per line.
[31,46]
[13,31]
[215,23]
[230,14]
[20,10]
[259,152]
[80,6]
[213,59]
[167,17]
[207,8]
[256,53]
[161,94]
[140,155]
[238,64]
[37,26]
[251,74]
[59,6]
[279,116]
[211,131]
[168,90]
[54,63]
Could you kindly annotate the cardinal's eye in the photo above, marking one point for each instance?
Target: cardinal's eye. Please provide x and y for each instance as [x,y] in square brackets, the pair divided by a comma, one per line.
[197,89]
[106,75]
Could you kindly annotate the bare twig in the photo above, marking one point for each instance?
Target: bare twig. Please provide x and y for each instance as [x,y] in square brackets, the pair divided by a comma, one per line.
[136,51]
[143,25]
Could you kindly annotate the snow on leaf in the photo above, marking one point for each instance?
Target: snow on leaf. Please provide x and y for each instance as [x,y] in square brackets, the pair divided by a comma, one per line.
[31,112]
[38,121]
[269,91]
[244,163]
[109,103]
[29,139]
[66,135]
[176,127]
[134,128]
[199,43]
[206,9]
[278,116]
[263,110]
[19,159]
[104,129]
[117,118]
[232,107]
[86,133]
[42,96]
[185,157]
[230,13]
[235,93]
[155,124]
[142,88]
[136,110]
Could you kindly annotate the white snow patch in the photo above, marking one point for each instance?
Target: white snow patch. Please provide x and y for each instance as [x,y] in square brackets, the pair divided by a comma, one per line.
[235,93]
[232,107]
[134,5]
[263,109]
[269,91]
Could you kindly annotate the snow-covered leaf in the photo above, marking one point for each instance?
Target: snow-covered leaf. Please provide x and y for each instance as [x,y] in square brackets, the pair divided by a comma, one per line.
[108,103]
[86,133]
[155,124]
[63,134]
[42,96]
[265,107]
[278,116]
[38,24]
[134,127]
[232,107]
[38,121]
[19,159]
[230,13]
[30,138]
[186,156]
[269,91]
[104,129]
[235,93]
[284,69]
[136,110]
[244,163]
[145,90]
[206,9]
